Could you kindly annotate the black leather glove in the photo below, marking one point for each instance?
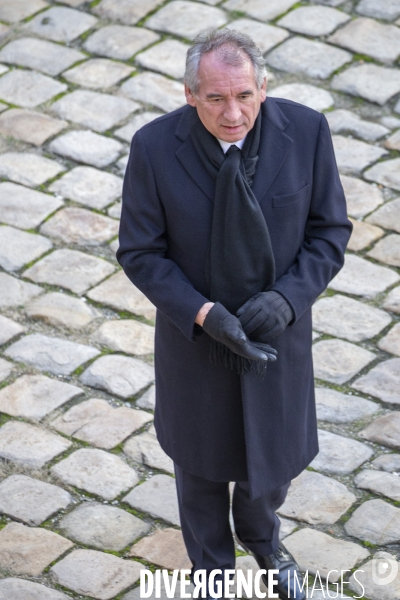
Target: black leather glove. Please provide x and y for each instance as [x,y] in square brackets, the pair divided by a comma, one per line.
[224,327]
[265,316]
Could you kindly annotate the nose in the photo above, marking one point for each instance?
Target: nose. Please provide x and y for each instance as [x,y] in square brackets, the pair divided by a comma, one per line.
[232,111]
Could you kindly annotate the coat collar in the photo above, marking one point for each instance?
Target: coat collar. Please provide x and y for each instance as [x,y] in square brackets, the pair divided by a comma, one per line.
[274,147]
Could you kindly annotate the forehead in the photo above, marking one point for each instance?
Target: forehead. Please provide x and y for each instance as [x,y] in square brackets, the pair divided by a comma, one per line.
[214,72]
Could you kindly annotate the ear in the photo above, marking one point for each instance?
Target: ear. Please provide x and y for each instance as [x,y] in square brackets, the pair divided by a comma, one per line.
[190,98]
[263,90]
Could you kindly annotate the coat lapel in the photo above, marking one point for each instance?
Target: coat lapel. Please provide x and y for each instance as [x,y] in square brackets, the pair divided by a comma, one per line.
[274,147]
[187,155]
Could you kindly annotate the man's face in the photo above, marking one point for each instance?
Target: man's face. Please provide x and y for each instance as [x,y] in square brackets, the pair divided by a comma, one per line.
[228,100]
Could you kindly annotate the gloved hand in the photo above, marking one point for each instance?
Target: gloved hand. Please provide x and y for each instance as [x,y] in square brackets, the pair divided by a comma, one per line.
[265,316]
[224,327]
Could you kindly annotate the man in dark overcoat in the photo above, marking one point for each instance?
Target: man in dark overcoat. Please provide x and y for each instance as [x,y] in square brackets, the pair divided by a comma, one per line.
[233,222]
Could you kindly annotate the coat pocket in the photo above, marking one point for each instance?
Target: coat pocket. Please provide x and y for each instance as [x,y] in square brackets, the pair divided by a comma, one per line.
[290,199]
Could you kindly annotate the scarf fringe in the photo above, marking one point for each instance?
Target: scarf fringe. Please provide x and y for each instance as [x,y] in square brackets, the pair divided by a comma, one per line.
[222,356]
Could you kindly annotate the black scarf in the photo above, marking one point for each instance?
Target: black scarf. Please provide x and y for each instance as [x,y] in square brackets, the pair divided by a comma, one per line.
[241,262]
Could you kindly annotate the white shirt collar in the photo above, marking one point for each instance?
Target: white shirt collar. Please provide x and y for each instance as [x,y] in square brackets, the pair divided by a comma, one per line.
[226,145]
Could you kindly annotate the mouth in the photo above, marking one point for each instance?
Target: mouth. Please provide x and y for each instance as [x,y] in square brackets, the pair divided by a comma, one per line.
[232,128]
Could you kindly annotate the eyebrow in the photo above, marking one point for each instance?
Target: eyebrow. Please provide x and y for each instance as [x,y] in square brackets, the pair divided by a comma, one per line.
[244,93]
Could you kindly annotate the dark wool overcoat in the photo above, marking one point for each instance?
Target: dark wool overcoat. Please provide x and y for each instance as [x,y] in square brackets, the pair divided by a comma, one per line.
[209,420]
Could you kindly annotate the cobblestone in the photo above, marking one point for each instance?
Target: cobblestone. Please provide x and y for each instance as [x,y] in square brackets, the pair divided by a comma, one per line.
[96,471]
[392,301]
[367,579]
[28,169]
[98,73]
[168,57]
[11,11]
[391,341]
[157,496]
[40,55]
[335,407]
[79,226]
[35,396]
[309,57]
[119,375]
[29,445]
[338,361]
[102,527]
[316,551]
[19,247]
[362,278]
[126,11]
[314,20]
[347,121]
[383,381]
[61,24]
[94,110]
[156,90]
[126,335]
[14,292]
[367,36]
[127,131]
[386,173]
[347,318]
[385,430]
[53,355]
[87,147]
[144,448]
[88,186]
[393,143]
[387,250]
[70,269]
[9,329]
[100,575]
[373,8]
[339,454]
[387,216]
[30,500]
[119,293]
[385,484]
[304,93]
[363,235]
[22,207]
[120,42]
[6,369]
[372,82]
[165,548]
[316,499]
[388,462]
[29,126]
[28,89]
[61,310]
[260,9]
[353,156]
[265,36]
[375,521]
[186,19]
[22,589]
[29,550]
[362,198]
[108,68]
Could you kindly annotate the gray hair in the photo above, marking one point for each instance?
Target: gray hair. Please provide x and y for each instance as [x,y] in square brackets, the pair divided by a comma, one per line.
[231,46]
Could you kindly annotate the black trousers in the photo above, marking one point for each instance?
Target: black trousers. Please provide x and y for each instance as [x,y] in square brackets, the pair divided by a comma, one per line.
[204,513]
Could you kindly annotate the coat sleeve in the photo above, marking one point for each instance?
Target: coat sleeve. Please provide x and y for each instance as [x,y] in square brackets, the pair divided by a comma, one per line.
[143,250]
[327,232]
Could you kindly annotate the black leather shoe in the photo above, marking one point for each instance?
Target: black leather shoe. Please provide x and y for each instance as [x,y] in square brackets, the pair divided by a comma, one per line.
[289,584]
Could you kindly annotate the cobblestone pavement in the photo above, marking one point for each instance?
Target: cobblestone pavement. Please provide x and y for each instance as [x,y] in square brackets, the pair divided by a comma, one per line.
[86,494]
